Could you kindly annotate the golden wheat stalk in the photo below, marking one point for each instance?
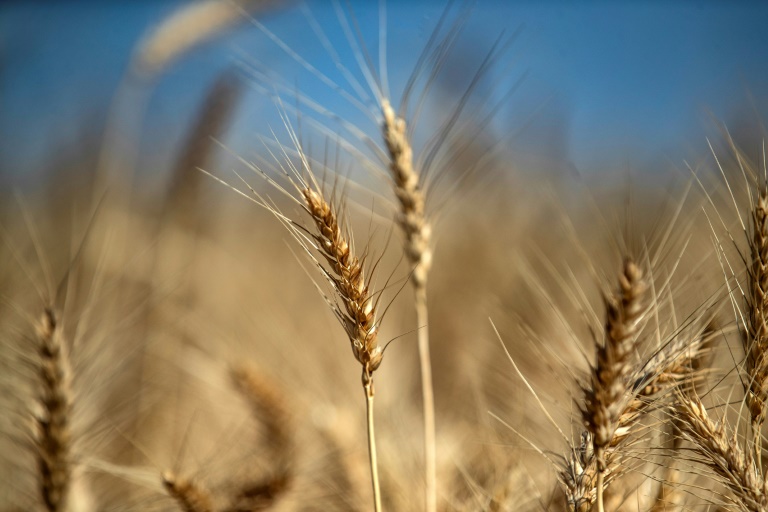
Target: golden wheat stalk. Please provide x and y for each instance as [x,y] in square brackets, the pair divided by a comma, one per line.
[52,437]
[359,315]
[417,231]
[607,395]
[755,336]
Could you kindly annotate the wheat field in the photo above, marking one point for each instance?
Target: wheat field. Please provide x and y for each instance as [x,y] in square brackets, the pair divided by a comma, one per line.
[378,304]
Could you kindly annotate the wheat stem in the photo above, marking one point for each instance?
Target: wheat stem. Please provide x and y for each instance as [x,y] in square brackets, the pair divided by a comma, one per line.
[428,396]
[600,486]
[372,458]
[417,230]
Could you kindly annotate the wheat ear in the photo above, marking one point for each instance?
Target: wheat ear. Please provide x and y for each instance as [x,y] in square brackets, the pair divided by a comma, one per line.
[673,367]
[52,436]
[755,336]
[190,496]
[417,230]
[723,454]
[607,395]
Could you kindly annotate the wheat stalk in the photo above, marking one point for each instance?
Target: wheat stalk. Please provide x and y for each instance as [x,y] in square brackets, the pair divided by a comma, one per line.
[359,315]
[607,395]
[755,336]
[417,230]
[52,437]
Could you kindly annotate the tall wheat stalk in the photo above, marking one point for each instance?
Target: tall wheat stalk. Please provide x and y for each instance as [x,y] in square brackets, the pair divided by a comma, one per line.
[417,231]
[355,304]
[755,336]
[606,397]
[359,314]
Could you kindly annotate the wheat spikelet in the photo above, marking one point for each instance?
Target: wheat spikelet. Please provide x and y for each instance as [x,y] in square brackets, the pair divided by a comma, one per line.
[683,371]
[188,494]
[52,436]
[579,476]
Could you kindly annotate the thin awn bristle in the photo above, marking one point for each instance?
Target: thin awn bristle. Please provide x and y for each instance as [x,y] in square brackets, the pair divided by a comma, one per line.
[189,495]
[52,437]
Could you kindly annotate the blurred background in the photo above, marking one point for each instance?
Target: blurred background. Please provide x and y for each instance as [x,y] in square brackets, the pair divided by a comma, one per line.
[607,84]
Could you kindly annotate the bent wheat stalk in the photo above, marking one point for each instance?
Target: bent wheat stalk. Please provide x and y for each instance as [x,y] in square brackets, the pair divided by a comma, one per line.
[417,231]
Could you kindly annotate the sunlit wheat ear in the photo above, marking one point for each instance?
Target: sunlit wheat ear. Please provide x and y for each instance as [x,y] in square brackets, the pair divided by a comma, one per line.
[358,316]
[347,275]
[354,304]
[722,453]
[52,436]
[607,394]
[189,496]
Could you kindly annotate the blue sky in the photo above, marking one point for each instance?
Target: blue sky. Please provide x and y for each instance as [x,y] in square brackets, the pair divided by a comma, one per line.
[630,81]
